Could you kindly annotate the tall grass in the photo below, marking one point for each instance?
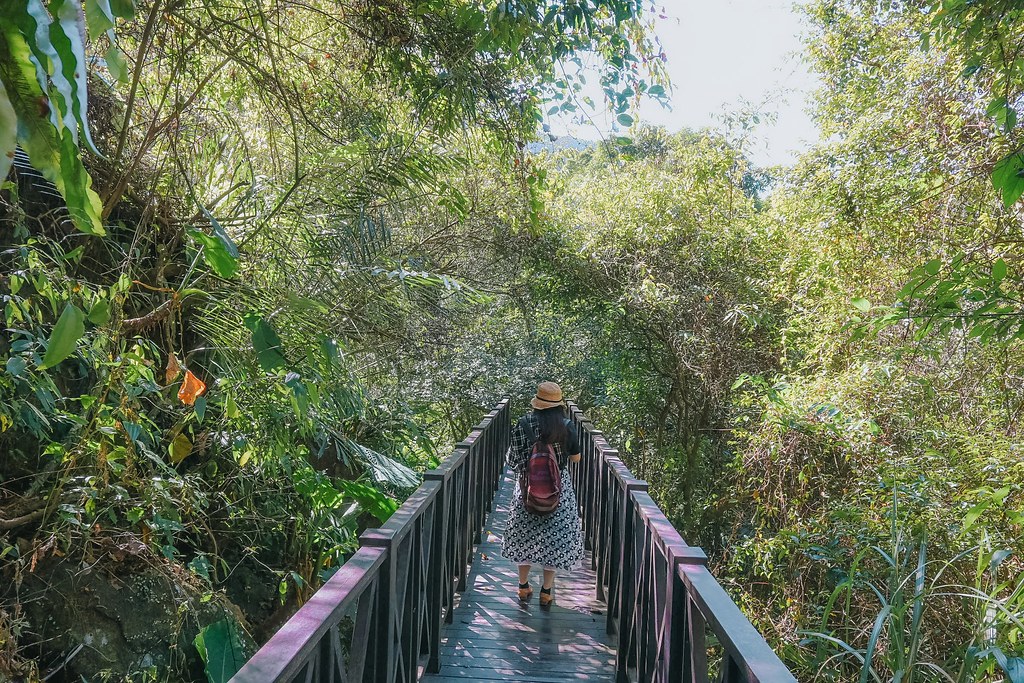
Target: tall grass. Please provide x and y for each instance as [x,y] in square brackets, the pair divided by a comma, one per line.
[908,640]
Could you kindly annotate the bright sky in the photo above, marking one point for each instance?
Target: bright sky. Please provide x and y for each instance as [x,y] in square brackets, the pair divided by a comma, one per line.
[721,54]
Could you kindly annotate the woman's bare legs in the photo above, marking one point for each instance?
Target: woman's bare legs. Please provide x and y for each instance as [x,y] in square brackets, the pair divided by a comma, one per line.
[549,582]
[525,591]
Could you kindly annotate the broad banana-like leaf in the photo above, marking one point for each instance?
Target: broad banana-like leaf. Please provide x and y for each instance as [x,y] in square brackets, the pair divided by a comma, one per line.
[33,22]
[387,470]
[68,36]
[52,149]
[8,133]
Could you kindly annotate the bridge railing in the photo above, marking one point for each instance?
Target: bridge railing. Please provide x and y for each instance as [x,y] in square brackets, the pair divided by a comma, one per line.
[379,618]
[663,604]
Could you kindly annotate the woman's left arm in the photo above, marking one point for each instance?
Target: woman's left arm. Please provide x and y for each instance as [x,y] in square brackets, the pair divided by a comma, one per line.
[519,448]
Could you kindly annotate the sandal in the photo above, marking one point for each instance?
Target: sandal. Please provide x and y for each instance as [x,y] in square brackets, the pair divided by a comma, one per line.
[525,591]
[545,596]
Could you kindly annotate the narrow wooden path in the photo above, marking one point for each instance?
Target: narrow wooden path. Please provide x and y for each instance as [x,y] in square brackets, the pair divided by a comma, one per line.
[495,637]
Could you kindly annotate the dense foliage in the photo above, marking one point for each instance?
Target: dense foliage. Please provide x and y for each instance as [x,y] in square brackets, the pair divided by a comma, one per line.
[262,263]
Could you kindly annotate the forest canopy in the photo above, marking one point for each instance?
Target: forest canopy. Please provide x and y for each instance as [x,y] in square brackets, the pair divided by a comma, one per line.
[263,264]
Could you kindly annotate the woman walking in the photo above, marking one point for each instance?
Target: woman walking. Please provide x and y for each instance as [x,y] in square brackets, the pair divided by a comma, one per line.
[553,540]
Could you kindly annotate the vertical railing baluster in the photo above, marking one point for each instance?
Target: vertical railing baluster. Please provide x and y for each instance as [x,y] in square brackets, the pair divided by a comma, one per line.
[383,663]
[435,572]
[698,643]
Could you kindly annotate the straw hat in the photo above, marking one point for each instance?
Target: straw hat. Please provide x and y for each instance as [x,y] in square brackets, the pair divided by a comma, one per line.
[549,395]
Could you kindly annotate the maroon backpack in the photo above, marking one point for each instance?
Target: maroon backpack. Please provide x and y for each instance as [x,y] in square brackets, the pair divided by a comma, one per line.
[541,482]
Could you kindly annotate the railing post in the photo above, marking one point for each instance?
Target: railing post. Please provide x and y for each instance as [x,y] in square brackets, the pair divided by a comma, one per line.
[677,663]
[438,585]
[627,593]
[606,482]
[385,632]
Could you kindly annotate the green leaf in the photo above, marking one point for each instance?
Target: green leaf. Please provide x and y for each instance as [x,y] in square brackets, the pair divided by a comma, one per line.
[656,91]
[179,449]
[200,408]
[269,351]
[8,133]
[221,649]
[217,253]
[933,267]
[625,120]
[68,39]
[1005,115]
[370,499]
[16,365]
[98,17]
[1008,178]
[999,270]
[974,513]
[231,410]
[116,63]
[862,305]
[123,9]
[99,314]
[69,329]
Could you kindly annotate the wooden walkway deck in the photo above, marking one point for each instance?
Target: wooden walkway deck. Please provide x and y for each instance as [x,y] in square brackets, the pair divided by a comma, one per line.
[495,637]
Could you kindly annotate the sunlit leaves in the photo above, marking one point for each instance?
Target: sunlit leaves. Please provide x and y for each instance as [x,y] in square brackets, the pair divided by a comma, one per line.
[43,132]
[219,252]
[179,448]
[1004,114]
[43,71]
[370,499]
[963,295]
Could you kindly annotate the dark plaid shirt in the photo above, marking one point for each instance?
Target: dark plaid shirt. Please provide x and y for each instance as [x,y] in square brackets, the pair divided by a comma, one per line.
[525,434]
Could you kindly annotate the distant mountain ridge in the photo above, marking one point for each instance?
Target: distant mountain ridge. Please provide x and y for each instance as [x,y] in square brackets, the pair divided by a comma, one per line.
[559,143]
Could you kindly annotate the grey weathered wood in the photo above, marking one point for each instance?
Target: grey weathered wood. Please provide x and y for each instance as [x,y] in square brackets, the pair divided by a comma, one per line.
[495,637]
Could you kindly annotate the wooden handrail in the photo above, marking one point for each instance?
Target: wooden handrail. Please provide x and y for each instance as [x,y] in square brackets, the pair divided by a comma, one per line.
[379,618]
[662,600]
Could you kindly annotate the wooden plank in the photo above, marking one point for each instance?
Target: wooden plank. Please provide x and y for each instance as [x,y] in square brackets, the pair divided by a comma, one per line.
[554,660]
[537,649]
[451,673]
[543,665]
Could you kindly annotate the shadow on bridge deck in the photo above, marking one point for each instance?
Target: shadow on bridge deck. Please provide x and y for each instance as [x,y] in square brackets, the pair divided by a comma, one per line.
[495,637]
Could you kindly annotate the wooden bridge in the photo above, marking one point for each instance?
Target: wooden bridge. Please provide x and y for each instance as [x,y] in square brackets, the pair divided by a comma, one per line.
[428,597]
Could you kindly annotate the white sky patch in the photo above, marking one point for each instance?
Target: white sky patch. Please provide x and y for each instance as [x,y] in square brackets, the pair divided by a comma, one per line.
[725,56]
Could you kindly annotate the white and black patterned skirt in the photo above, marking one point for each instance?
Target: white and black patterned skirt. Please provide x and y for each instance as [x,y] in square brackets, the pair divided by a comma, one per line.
[554,540]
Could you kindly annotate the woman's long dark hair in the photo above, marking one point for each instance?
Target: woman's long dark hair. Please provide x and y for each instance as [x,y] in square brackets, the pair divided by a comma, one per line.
[551,424]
